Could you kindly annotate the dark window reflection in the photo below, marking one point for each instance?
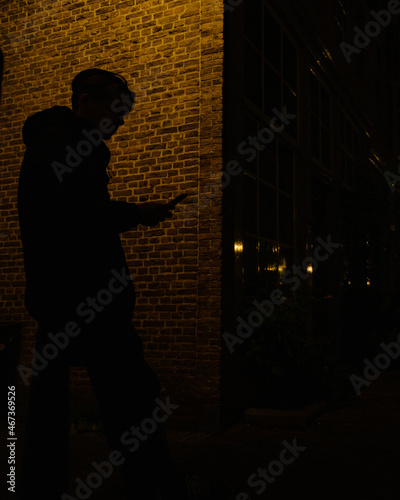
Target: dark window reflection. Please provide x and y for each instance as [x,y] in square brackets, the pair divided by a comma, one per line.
[253,72]
[289,62]
[272,89]
[253,22]
[250,204]
[268,163]
[285,219]
[250,130]
[285,168]
[272,41]
[268,212]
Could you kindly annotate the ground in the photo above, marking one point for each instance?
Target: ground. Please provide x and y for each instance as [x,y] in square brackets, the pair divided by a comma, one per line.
[350,452]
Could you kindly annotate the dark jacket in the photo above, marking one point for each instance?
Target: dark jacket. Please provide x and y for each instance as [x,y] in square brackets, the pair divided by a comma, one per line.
[69,225]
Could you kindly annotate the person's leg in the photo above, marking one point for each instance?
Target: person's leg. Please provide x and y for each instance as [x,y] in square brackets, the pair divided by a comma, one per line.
[44,471]
[127,390]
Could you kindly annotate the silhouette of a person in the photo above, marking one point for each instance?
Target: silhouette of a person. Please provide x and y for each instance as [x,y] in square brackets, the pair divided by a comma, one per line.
[79,291]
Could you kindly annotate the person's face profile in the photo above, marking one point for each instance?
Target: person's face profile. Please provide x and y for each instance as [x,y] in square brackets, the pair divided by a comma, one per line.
[106,114]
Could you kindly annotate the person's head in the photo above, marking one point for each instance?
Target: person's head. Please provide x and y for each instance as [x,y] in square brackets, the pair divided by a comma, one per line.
[103,98]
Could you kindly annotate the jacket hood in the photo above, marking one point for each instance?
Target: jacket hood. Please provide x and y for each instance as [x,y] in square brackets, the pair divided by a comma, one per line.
[47,120]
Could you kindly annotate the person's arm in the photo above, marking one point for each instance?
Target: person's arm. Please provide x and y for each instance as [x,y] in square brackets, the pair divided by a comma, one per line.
[152,213]
[81,199]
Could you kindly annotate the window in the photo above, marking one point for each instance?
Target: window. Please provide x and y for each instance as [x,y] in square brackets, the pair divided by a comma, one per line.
[320,121]
[268,193]
[271,83]
[271,65]
[349,146]
[348,16]
[342,19]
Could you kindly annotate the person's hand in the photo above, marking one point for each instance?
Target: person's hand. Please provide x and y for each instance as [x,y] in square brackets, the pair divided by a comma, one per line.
[152,213]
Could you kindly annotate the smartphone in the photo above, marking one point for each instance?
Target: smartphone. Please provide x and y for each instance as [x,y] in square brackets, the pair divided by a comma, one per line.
[178,199]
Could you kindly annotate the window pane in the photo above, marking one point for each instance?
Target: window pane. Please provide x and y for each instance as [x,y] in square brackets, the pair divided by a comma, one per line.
[250,204]
[272,41]
[285,219]
[285,161]
[268,212]
[250,253]
[342,160]
[315,139]
[325,146]
[253,22]
[269,265]
[314,94]
[285,260]
[250,130]
[356,145]
[250,264]
[268,163]
[289,62]
[325,107]
[349,170]
[253,72]
[347,167]
[290,101]
[342,128]
[349,136]
[272,90]
[268,256]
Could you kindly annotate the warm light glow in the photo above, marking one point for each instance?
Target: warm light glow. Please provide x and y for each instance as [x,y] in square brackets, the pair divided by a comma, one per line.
[368,282]
[377,158]
[310,269]
[238,246]
[282,266]
[328,54]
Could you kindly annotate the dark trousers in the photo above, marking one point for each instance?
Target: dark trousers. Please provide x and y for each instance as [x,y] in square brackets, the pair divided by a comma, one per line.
[126,389]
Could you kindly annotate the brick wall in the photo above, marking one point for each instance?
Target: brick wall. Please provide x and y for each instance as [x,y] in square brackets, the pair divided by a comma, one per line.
[171,53]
